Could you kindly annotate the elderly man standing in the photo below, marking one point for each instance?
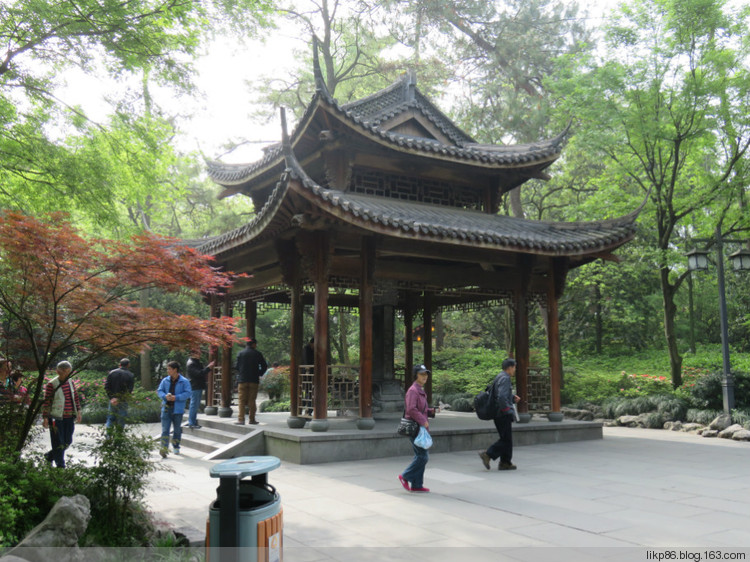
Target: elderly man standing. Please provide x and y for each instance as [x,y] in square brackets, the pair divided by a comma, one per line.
[251,365]
[61,411]
[119,386]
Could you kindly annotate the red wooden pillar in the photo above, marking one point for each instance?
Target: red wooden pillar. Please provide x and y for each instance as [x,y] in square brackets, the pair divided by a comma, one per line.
[428,342]
[365,334]
[408,343]
[296,342]
[554,291]
[522,332]
[291,271]
[213,355]
[226,370]
[320,376]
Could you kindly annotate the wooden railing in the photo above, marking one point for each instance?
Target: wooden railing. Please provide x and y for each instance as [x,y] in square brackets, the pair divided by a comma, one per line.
[539,390]
[342,386]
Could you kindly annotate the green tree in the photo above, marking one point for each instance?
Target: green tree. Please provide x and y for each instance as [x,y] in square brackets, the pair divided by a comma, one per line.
[41,164]
[668,109]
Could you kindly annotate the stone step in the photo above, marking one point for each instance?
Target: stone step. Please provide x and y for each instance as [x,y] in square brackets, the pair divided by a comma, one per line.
[198,443]
[219,434]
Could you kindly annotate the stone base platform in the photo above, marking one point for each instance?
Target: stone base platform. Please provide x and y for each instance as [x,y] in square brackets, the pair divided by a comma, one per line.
[451,431]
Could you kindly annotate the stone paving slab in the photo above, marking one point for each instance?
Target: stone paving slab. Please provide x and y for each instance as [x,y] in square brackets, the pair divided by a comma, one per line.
[632,494]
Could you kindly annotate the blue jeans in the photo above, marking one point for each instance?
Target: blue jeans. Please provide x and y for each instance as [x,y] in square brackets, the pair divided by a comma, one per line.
[60,436]
[175,420]
[195,402]
[414,473]
[117,414]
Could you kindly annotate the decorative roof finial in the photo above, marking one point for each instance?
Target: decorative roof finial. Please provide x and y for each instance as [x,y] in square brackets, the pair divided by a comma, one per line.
[319,82]
[411,84]
[286,145]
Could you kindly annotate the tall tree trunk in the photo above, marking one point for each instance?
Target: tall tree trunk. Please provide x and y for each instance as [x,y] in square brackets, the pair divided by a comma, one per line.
[670,312]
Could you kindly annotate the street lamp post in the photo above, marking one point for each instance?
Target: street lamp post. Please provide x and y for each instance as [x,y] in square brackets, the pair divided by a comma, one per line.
[698,260]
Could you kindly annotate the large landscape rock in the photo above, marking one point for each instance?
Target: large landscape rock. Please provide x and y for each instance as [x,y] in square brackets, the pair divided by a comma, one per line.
[577,414]
[56,538]
[721,422]
[692,427]
[730,431]
[741,435]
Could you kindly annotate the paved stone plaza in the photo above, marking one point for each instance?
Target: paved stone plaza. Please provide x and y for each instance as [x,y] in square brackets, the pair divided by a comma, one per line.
[637,494]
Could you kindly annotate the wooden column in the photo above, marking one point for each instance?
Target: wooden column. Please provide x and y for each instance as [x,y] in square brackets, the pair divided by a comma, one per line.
[556,282]
[320,376]
[225,410]
[291,271]
[251,317]
[408,342]
[365,333]
[522,331]
[296,343]
[428,342]
[213,355]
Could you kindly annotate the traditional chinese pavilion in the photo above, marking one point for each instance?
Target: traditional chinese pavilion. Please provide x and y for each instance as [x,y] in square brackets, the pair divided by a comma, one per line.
[385,206]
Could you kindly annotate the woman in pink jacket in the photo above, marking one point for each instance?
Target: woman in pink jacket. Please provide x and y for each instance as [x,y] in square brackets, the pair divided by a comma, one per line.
[416,408]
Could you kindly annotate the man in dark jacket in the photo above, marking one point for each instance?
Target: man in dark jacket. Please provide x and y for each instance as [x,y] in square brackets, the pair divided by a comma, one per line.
[197,374]
[119,387]
[250,366]
[504,399]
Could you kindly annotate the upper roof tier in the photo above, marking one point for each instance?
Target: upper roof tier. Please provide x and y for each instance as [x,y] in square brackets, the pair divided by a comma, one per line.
[400,121]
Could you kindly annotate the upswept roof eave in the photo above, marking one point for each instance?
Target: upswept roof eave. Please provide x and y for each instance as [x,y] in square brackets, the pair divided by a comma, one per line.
[246,233]
[232,175]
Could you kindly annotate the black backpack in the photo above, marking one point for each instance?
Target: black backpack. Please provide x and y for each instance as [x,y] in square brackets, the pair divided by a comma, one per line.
[484,402]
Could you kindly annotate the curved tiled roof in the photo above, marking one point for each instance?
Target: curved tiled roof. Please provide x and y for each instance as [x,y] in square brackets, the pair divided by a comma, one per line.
[366,115]
[437,223]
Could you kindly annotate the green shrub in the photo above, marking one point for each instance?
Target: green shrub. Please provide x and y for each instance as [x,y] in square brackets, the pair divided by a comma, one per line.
[276,383]
[672,407]
[116,487]
[654,420]
[28,490]
[705,390]
[462,405]
[704,417]
[741,417]
[274,406]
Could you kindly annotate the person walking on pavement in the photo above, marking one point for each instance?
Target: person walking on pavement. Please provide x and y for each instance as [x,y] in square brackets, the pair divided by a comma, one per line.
[250,366]
[119,387]
[174,390]
[60,412]
[197,374]
[416,409]
[503,399]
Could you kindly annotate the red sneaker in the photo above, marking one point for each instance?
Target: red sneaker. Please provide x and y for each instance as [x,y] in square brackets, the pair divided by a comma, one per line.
[422,489]
[404,483]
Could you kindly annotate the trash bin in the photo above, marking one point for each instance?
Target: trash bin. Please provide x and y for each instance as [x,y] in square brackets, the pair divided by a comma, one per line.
[245,521]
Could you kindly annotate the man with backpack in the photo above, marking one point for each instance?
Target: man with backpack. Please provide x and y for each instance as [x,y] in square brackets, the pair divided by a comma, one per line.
[503,401]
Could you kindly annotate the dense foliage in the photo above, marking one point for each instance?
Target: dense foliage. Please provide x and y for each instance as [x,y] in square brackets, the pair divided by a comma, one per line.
[114,484]
[62,295]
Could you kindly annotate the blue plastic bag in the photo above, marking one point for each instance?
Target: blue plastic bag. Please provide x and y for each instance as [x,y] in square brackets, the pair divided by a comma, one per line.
[423,439]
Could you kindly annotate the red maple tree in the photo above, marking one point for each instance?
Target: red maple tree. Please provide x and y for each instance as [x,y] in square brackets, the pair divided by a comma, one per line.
[62,294]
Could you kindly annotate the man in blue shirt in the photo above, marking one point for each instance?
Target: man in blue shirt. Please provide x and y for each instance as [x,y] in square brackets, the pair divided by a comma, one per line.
[174,390]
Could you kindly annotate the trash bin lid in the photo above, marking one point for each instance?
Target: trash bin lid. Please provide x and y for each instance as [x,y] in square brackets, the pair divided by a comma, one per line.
[244,466]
